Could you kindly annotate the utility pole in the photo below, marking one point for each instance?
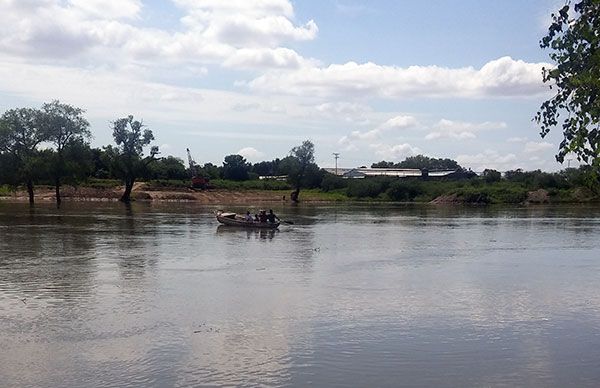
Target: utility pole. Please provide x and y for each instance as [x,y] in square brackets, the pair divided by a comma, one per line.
[336,155]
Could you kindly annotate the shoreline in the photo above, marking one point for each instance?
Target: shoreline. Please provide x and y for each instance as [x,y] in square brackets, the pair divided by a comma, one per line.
[142,193]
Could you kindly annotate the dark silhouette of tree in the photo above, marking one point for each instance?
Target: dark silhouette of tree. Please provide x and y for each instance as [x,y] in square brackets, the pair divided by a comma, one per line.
[212,171]
[19,139]
[169,167]
[63,126]
[235,168]
[574,38]
[300,167]
[491,176]
[128,161]
[421,162]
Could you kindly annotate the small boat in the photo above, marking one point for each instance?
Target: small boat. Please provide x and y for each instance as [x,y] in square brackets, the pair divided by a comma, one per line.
[233,219]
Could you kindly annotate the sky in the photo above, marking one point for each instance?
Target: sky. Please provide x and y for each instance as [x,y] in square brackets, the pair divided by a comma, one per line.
[370,80]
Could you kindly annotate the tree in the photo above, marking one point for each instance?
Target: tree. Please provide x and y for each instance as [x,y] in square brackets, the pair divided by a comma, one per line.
[491,176]
[19,139]
[299,165]
[235,168]
[128,157]
[574,38]
[426,163]
[212,171]
[167,168]
[63,126]
[383,164]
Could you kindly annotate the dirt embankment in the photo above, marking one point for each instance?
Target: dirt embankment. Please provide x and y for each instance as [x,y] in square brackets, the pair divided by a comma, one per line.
[142,193]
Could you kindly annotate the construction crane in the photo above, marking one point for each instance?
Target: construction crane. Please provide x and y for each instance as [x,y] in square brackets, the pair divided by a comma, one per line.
[198,181]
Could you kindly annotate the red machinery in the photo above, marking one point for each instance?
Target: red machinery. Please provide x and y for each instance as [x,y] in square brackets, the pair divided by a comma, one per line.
[198,181]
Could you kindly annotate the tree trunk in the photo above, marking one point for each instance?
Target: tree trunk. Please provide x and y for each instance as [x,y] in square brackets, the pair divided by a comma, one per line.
[126,197]
[30,191]
[57,190]
[295,194]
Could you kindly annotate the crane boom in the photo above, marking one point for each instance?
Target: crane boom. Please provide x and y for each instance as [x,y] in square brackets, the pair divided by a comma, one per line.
[198,181]
[191,163]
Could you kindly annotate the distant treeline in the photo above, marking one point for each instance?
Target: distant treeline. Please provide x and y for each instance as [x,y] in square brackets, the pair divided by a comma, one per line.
[50,146]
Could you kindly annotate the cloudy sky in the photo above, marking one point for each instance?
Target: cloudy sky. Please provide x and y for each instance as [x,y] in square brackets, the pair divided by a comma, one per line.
[372,80]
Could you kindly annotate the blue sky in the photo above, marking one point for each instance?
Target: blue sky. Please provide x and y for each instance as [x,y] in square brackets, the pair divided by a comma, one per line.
[371,80]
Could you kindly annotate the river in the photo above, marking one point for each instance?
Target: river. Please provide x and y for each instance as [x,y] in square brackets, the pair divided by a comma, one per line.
[99,294]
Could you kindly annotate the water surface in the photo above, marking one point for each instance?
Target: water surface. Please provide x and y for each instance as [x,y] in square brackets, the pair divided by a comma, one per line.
[98,294]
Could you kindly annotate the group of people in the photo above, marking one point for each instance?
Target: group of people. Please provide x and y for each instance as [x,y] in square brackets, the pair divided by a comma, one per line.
[262,216]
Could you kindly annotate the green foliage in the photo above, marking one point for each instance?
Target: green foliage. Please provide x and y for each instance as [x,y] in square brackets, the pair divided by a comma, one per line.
[405,190]
[332,182]
[97,183]
[264,184]
[158,184]
[491,176]
[127,159]
[301,169]
[169,168]
[66,129]
[421,162]
[574,38]
[267,168]
[368,187]
[499,192]
[5,191]
[19,139]
[211,171]
[235,168]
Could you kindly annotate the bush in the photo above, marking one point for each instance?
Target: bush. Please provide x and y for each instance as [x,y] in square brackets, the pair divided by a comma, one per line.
[368,187]
[501,192]
[404,190]
[97,183]
[333,182]
[5,191]
[250,185]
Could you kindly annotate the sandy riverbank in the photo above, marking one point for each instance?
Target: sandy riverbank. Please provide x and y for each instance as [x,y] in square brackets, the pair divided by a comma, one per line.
[142,193]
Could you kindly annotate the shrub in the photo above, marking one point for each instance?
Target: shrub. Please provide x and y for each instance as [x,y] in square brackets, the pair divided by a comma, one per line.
[368,187]
[404,190]
[332,182]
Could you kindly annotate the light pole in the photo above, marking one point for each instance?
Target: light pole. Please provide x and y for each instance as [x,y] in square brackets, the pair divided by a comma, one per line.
[336,155]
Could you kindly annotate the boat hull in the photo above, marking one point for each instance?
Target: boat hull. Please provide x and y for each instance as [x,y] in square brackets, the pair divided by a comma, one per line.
[242,223]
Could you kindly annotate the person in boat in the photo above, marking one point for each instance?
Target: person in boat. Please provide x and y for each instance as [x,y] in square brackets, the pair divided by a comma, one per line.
[249,217]
[256,219]
[262,216]
[271,217]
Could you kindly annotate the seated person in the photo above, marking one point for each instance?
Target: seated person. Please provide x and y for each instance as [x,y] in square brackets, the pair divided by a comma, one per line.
[262,216]
[249,217]
[271,217]
[256,219]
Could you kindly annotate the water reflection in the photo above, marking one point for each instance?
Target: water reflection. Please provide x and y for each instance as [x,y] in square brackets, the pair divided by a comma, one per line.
[368,295]
[256,233]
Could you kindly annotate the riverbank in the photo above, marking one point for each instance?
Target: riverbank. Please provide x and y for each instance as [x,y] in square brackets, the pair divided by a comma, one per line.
[466,195]
[142,192]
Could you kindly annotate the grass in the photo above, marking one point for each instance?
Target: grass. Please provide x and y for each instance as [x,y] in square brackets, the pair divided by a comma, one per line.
[255,184]
[5,191]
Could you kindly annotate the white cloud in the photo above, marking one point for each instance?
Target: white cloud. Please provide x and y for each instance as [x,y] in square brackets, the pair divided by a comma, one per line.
[535,147]
[516,139]
[239,34]
[488,159]
[394,152]
[503,77]
[349,112]
[460,129]
[108,9]
[399,122]
[251,153]
[395,123]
